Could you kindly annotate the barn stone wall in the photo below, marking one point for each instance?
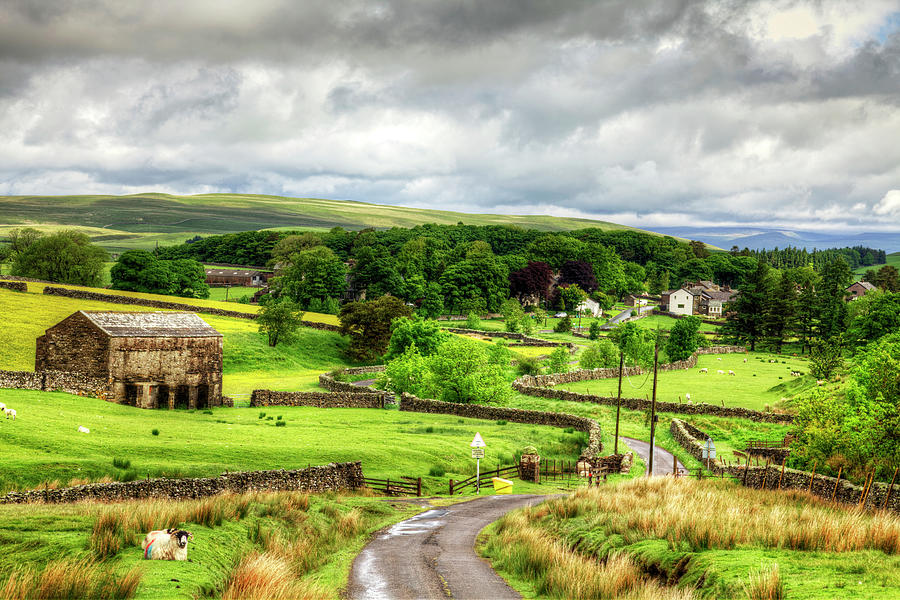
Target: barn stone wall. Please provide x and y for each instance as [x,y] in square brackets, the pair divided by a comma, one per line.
[74,345]
[330,477]
[363,398]
[524,340]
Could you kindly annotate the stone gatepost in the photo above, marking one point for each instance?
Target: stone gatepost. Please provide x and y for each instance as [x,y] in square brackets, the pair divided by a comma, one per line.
[530,467]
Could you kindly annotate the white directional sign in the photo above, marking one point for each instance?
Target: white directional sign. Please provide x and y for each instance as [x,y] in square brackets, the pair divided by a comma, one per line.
[477,442]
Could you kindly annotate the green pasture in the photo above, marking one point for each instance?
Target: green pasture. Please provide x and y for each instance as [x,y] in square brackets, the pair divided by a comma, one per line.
[666,323]
[143,220]
[893,259]
[249,363]
[43,445]
[233,293]
[756,384]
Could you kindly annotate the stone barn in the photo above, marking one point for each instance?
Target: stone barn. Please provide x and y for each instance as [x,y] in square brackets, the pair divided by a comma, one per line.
[151,359]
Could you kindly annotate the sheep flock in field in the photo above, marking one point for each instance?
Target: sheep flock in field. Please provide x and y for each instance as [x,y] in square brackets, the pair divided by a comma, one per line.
[168,544]
[10,413]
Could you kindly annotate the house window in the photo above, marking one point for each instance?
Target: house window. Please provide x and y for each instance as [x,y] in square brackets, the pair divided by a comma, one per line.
[681,306]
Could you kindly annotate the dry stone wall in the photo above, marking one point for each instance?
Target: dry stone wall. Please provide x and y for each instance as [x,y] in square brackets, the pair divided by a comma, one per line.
[119,299]
[524,340]
[16,286]
[331,477]
[411,403]
[55,381]
[691,439]
[364,398]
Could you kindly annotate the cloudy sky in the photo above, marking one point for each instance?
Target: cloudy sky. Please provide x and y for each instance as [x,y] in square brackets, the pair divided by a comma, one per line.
[645,113]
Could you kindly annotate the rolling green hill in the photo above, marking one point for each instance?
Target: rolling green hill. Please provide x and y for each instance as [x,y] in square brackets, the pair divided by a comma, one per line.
[140,220]
[892,259]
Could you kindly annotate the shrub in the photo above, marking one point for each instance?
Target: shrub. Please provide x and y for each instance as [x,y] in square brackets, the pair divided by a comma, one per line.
[155,432]
[500,422]
[429,429]
[437,471]
[472,321]
[559,360]
[594,330]
[280,423]
[121,463]
[602,353]
[278,418]
[261,415]
[564,325]
[528,365]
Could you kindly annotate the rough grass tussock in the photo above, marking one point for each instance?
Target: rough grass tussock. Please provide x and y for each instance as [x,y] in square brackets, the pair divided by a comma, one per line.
[65,579]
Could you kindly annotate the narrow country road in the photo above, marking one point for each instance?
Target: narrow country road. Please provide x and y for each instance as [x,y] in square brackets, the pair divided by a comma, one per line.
[617,318]
[432,555]
[364,382]
[662,459]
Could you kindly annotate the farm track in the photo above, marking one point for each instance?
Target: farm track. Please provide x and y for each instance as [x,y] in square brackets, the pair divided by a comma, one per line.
[432,555]
[662,459]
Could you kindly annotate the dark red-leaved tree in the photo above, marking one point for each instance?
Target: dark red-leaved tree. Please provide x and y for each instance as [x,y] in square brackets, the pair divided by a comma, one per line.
[531,282]
[580,272]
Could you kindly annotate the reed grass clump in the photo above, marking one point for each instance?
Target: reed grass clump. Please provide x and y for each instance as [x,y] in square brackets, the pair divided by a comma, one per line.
[70,579]
[765,584]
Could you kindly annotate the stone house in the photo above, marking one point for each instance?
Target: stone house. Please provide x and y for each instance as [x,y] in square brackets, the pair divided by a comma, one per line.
[697,298]
[150,359]
[859,289]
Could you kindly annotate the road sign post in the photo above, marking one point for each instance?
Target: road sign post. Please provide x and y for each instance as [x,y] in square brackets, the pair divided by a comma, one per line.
[478,447]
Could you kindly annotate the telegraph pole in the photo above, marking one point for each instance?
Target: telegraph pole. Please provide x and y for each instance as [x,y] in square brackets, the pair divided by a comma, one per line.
[619,400]
[653,406]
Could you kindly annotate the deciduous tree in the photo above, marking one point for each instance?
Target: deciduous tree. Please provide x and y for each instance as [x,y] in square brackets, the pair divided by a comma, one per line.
[63,257]
[368,325]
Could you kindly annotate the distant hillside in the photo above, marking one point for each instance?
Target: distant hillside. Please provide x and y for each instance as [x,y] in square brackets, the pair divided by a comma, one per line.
[141,220]
[768,239]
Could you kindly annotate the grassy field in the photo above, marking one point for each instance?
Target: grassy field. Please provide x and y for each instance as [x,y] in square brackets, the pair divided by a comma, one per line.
[220,293]
[142,220]
[756,384]
[43,444]
[666,323]
[892,259]
[266,545]
[641,538]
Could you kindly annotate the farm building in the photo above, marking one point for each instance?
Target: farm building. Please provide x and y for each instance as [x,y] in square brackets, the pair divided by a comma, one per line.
[859,289]
[239,277]
[151,359]
[697,298]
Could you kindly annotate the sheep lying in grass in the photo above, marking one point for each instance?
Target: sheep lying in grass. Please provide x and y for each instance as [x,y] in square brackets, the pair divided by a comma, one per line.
[704,370]
[720,372]
[169,544]
[83,429]
[10,412]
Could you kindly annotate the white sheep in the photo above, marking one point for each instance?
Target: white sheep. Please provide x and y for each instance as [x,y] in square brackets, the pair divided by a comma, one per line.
[687,397]
[704,370]
[169,544]
[83,429]
[718,359]
[10,412]
[745,360]
[720,372]
[2,406]
[730,372]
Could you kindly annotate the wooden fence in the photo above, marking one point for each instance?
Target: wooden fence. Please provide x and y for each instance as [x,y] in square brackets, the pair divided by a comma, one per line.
[457,487]
[404,486]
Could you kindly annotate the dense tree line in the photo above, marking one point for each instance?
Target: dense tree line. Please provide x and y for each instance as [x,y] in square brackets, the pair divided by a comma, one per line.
[791,258]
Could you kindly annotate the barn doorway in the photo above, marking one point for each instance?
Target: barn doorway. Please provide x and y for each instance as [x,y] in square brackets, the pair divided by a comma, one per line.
[131,394]
[203,396]
[162,396]
[182,396]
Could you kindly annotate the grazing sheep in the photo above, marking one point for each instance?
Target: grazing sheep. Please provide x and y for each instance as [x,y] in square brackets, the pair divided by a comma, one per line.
[83,429]
[2,406]
[170,544]
[730,372]
[10,412]
[687,397]
[720,372]
[704,370]
[745,360]
[718,359]
[795,374]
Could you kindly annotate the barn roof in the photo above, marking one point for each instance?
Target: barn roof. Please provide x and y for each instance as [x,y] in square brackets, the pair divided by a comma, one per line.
[151,324]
